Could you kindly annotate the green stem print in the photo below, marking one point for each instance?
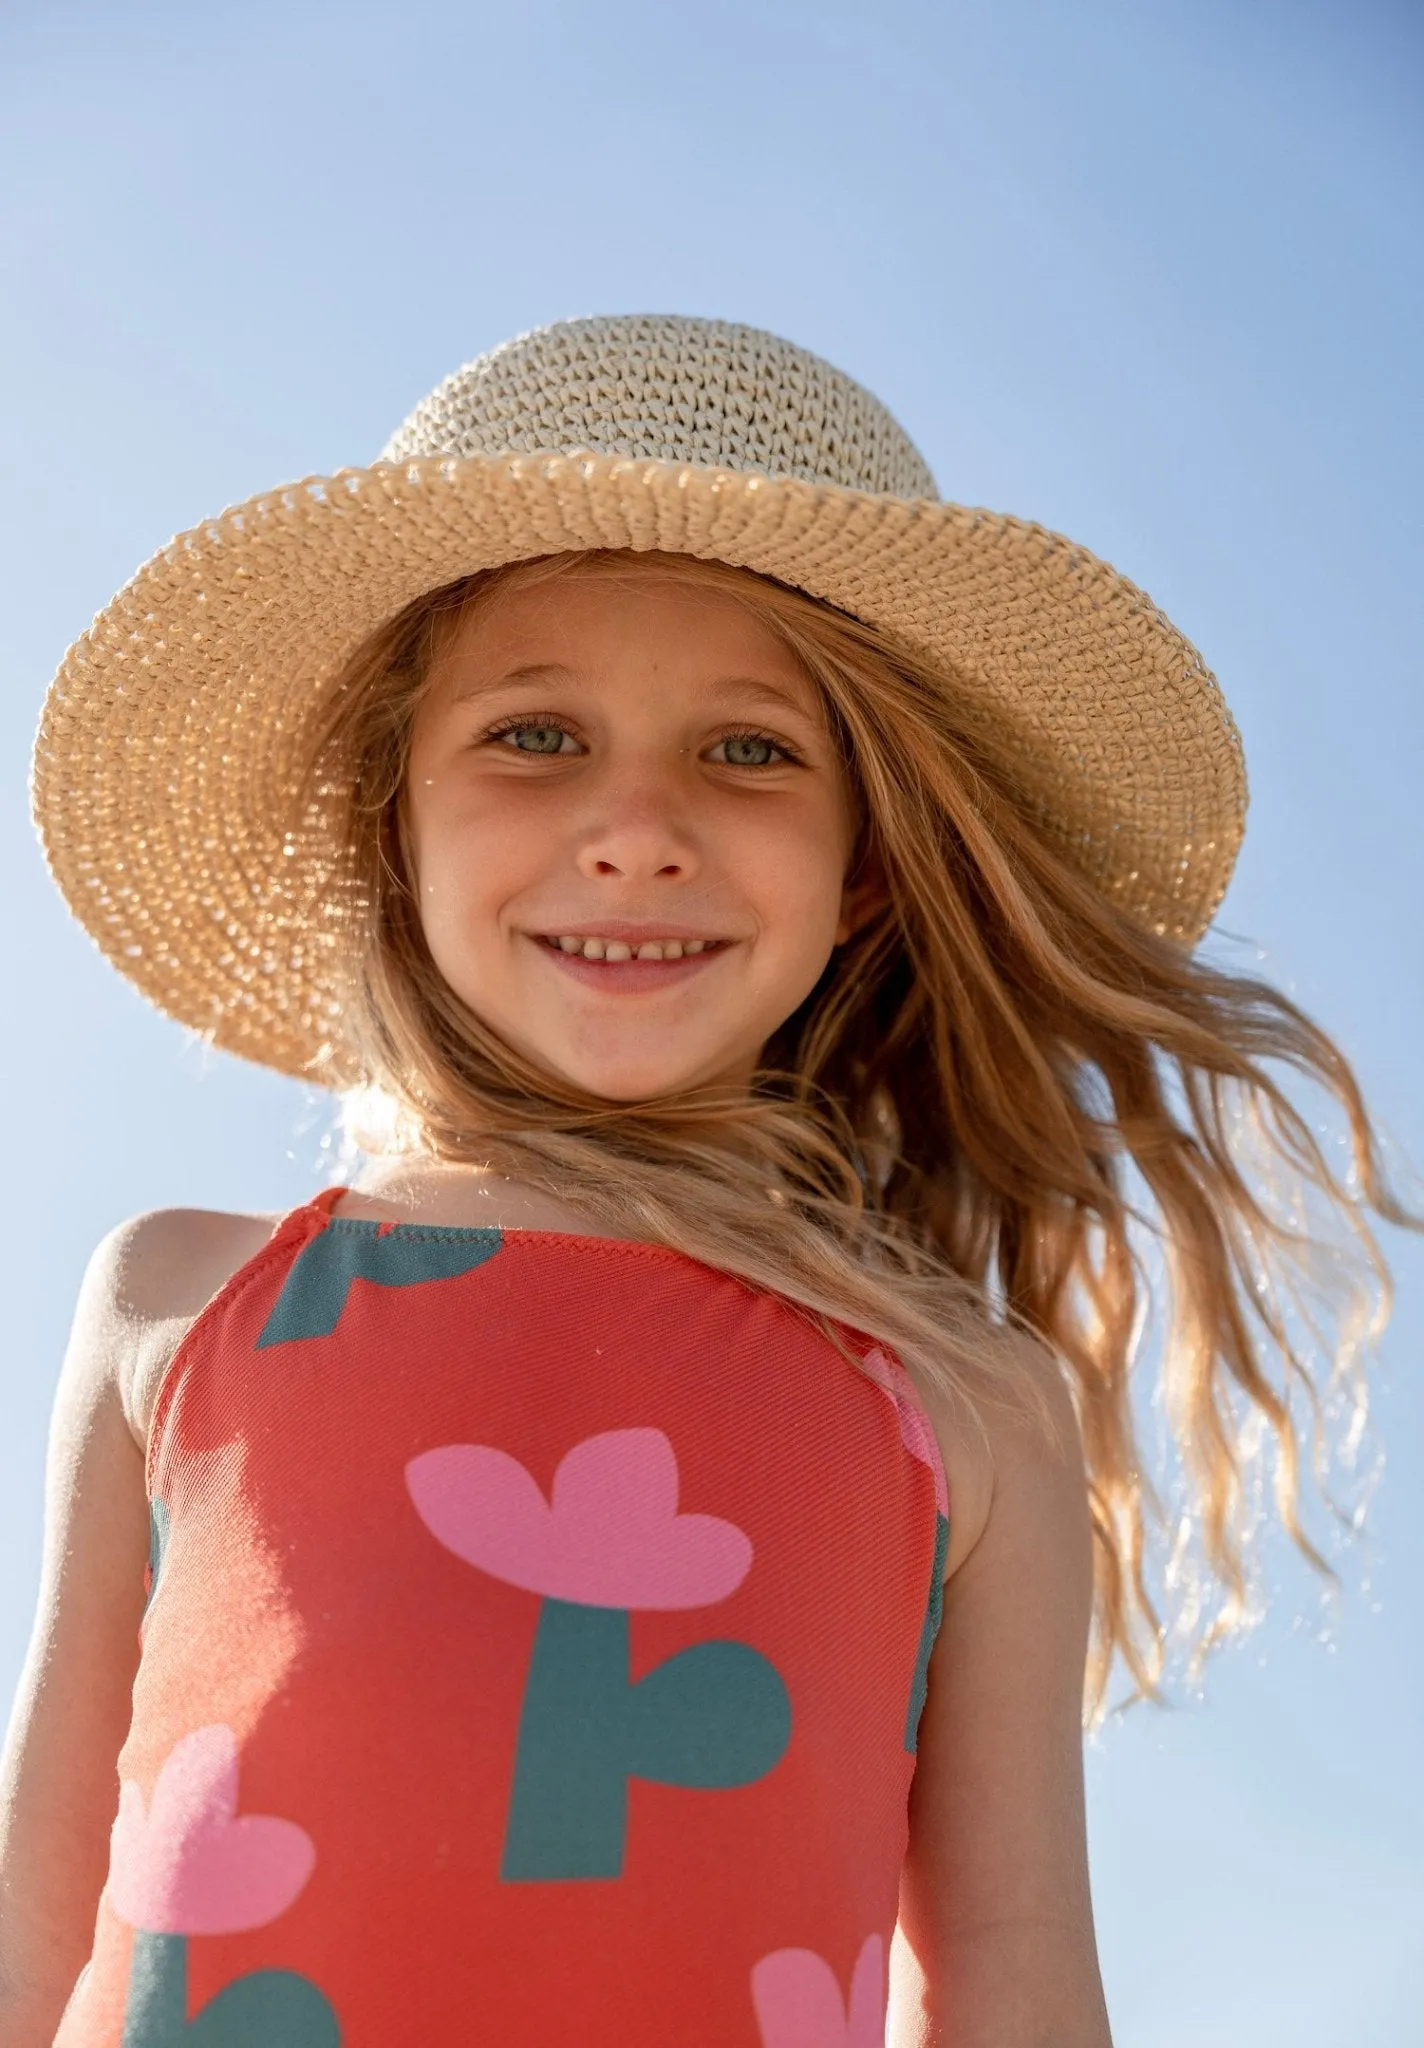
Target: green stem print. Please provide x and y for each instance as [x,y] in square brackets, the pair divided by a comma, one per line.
[158,1529]
[934,1614]
[186,1864]
[918,1437]
[265,2009]
[714,1716]
[609,1541]
[316,1290]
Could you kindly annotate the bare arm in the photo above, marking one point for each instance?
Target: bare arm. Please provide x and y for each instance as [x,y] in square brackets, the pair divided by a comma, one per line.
[996,1946]
[58,1782]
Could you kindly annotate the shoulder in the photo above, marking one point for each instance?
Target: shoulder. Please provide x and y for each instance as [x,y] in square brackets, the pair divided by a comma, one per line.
[146,1281]
[163,1263]
[1014,1464]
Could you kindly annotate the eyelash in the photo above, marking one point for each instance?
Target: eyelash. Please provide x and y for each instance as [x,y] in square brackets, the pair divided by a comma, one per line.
[547,722]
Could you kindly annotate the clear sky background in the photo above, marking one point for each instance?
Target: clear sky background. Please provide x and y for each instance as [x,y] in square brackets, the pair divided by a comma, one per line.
[1147,273]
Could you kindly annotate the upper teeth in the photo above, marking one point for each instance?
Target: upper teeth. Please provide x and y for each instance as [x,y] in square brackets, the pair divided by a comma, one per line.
[619,949]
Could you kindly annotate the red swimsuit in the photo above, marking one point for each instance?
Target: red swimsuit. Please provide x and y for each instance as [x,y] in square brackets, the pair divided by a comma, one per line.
[536,1641]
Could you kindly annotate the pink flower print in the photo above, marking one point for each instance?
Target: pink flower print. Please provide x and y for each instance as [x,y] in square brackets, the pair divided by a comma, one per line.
[188,1865]
[916,1433]
[610,1537]
[798,1999]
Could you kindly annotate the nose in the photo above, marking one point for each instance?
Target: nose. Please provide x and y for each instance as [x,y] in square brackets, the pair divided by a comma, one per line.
[637,833]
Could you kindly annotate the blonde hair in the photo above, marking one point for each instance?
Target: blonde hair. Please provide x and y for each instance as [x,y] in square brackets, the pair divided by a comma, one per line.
[1001,1101]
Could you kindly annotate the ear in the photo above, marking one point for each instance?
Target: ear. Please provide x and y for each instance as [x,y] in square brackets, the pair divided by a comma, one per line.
[860,900]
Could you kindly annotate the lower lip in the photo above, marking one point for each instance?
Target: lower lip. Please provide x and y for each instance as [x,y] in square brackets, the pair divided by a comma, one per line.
[629,977]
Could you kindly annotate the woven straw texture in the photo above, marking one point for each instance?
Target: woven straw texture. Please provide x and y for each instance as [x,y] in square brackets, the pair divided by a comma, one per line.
[165,765]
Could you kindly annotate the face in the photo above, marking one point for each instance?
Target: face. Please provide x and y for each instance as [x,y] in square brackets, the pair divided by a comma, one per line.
[630,830]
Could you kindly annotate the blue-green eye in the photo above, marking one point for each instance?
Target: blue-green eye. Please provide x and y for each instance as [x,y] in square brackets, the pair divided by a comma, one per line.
[536,736]
[750,749]
[534,739]
[742,744]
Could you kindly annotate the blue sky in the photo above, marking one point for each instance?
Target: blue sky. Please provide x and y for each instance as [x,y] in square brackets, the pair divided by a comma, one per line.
[1149,274]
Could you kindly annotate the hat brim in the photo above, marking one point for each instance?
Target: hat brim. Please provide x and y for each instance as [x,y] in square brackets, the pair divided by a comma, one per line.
[165,764]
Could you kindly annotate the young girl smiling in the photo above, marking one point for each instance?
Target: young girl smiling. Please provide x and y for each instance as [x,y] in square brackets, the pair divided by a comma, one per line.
[624,1569]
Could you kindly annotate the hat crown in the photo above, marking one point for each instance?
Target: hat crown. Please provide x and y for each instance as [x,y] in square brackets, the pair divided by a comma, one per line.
[665,388]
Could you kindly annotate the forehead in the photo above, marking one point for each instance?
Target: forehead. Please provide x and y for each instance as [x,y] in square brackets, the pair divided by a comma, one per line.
[605,625]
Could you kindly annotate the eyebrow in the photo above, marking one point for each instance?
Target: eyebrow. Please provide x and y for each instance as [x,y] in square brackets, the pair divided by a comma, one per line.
[729,689]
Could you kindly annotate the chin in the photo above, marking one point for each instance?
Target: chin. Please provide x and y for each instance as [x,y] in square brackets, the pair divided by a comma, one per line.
[644,1084]
[646,1088]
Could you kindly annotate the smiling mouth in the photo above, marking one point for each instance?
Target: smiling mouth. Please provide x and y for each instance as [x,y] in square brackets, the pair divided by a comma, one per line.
[615,952]
[622,969]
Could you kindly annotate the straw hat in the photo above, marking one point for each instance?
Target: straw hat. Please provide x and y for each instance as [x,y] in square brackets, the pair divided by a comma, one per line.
[164,769]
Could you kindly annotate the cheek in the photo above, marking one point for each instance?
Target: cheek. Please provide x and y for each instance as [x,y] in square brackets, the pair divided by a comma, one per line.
[802,869]
[451,860]
[425,842]
[446,824]
[470,858]
[418,803]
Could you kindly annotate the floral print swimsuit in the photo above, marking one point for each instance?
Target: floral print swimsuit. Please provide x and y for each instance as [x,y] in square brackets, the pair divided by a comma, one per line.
[536,1638]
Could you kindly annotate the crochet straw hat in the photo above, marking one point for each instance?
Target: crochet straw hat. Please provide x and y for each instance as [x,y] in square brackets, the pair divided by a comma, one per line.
[166,762]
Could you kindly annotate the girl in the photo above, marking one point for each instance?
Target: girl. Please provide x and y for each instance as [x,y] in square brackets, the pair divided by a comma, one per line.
[623,1569]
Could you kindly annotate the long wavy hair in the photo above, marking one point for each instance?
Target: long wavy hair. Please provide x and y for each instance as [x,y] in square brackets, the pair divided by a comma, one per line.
[1006,1110]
